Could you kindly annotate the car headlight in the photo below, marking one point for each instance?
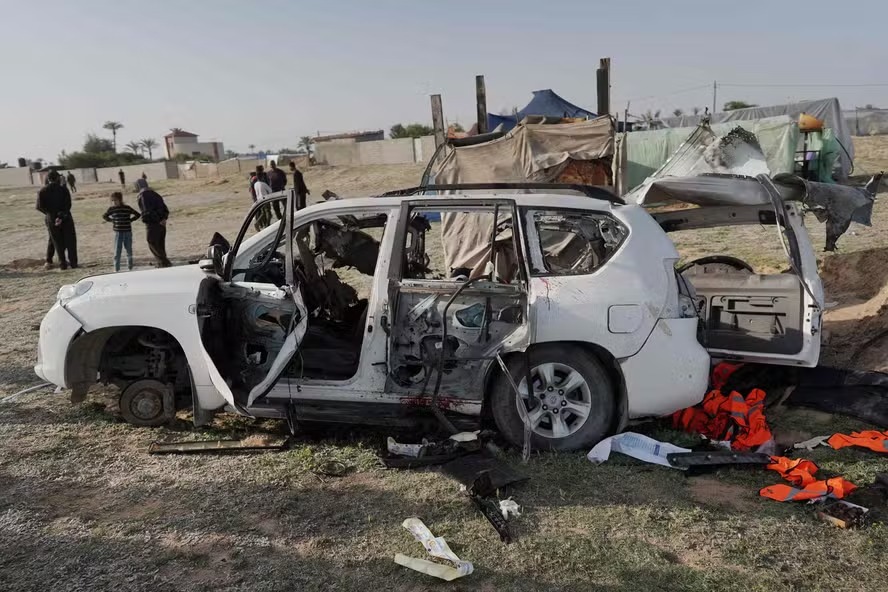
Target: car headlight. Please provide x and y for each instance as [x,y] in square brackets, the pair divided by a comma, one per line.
[72,291]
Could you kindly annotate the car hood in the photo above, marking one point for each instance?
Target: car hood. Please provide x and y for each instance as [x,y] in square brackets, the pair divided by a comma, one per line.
[183,278]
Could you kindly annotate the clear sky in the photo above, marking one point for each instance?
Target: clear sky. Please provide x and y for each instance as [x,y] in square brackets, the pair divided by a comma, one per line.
[268,72]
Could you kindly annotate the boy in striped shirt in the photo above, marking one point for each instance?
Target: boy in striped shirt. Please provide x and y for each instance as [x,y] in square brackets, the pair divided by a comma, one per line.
[122,216]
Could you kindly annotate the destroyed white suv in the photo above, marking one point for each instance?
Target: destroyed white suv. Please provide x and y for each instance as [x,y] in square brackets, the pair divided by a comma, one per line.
[402,309]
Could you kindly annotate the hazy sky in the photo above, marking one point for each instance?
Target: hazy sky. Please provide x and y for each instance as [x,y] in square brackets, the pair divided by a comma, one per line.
[268,72]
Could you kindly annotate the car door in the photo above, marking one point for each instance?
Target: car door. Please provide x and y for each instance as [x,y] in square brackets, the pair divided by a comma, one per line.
[771,318]
[251,285]
[445,324]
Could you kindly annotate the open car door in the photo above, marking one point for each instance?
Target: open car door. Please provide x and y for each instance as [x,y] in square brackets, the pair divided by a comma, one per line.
[251,311]
[747,316]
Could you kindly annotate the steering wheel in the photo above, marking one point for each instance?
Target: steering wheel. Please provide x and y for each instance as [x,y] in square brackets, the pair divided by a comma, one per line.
[733,262]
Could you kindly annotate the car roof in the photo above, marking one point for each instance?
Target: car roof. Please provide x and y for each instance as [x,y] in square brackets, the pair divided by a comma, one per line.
[541,200]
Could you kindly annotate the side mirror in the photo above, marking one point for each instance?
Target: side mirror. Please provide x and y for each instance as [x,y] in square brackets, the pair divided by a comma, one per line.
[213,262]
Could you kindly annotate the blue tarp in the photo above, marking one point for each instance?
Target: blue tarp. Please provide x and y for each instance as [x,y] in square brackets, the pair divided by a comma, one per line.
[545,103]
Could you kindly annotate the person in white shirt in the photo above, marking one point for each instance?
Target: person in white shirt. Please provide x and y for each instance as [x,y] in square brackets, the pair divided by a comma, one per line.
[261,189]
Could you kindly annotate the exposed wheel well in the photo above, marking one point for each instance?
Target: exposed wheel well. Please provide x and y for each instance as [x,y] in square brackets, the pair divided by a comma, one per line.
[123,354]
[605,357]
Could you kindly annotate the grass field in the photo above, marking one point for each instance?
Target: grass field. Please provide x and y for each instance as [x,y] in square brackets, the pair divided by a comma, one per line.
[84,507]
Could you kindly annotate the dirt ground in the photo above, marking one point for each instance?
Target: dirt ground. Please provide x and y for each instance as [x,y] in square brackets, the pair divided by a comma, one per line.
[84,507]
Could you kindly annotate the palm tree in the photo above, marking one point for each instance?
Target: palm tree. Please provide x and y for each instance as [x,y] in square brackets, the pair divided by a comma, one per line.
[305,143]
[652,120]
[113,126]
[696,110]
[678,113]
[149,144]
[134,147]
[252,147]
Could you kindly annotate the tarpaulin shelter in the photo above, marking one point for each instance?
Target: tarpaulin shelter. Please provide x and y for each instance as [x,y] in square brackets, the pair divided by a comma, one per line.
[545,103]
[827,110]
[647,151]
[580,152]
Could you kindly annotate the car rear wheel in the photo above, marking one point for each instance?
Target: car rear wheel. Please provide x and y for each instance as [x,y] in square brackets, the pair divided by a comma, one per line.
[570,404]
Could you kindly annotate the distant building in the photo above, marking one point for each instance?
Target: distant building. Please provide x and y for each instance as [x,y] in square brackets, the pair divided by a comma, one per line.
[350,138]
[182,142]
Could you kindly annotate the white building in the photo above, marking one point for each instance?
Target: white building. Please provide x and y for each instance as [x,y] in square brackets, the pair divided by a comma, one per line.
[181,142]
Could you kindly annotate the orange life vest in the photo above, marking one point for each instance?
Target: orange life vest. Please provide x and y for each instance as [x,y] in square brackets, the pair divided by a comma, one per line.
[872,439]
[836,487]
[798,471]
[738,419]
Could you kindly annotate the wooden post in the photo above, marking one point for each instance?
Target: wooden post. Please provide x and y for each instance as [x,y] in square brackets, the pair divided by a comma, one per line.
[603,80]
[481,103]
[438,120]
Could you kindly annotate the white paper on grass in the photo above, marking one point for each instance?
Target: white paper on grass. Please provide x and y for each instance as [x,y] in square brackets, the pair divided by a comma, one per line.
[436,547]
[634,445]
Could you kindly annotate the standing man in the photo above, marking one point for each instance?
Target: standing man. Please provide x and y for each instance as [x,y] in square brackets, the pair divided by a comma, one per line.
[72,182]
[277,179]
[54,202]
[154,215]
[260,191]
[122,178]
[299,185]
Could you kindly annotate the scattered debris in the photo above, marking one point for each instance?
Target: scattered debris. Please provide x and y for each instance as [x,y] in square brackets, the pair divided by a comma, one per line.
[509,507]
[436,547]
[812,443]
[843,514]
[411,450]
[482,492]
[800,473]
[15,396]
[637,446]
[198,446]
[700,462]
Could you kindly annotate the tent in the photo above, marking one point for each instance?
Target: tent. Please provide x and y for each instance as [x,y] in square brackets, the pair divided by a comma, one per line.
[647,151]
[545,103]
[827,110]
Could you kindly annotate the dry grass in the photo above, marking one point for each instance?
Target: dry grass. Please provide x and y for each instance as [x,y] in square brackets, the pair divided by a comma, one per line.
[83,507]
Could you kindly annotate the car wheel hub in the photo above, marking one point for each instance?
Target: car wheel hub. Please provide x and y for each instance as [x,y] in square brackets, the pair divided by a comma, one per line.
[147,404]
[559,402]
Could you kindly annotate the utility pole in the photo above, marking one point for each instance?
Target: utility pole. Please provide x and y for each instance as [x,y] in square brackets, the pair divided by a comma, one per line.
[714,95]
[603,80]
[438,120]
[481,103]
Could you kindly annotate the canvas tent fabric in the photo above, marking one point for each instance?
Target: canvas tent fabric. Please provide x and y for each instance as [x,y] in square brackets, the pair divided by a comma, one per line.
[530,152]
[647,151]
[544,102]
[867,122]
[827,110]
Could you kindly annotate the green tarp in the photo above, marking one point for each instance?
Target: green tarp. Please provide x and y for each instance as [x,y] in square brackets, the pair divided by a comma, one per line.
[648,151]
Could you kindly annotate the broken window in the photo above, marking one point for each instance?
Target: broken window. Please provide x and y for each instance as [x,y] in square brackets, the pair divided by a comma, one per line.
[573,243]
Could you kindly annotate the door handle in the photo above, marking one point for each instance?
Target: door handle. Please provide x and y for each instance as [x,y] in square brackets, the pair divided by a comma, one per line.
[384,323]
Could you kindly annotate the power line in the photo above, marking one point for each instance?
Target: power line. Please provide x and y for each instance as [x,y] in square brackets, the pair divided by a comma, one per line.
[675,92]
[780,85]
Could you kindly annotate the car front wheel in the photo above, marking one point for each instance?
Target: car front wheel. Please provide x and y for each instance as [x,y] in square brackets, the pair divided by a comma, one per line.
[570,404]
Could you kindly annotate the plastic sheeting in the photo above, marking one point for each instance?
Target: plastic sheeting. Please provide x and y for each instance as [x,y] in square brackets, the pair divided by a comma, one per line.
[867,122]
[648,151]
[827,110]
[544,102]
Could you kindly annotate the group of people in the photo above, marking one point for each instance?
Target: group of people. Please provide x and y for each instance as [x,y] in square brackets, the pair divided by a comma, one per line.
[263,183]
[54,202]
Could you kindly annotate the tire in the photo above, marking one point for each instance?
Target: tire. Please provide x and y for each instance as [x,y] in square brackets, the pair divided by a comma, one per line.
[557,414]
[146,403]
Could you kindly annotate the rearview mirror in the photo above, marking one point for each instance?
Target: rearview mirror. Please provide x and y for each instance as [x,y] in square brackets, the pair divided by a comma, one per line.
[213,262]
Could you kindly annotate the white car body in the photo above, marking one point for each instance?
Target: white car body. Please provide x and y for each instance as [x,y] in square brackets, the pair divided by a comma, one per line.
[630,312]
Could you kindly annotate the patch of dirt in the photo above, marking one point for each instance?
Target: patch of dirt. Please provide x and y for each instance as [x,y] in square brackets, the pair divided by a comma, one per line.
[24,264]
[858,326]
[709,491]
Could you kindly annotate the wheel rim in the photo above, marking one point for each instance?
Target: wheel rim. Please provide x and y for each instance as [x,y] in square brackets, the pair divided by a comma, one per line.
[146,404]
[561,400]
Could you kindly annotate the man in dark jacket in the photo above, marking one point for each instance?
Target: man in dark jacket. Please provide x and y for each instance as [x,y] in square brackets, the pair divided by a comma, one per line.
[154,215]
[302,191]
[54,202]
[72,182]
[277,180]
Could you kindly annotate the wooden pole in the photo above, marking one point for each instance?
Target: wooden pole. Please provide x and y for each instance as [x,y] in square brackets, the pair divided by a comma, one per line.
[603,79]
[714,95]
[481,103]
[438,120]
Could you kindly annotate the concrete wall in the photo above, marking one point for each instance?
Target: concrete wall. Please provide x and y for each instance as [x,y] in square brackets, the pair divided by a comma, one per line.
[399,151]
[15,177]
[154,170]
